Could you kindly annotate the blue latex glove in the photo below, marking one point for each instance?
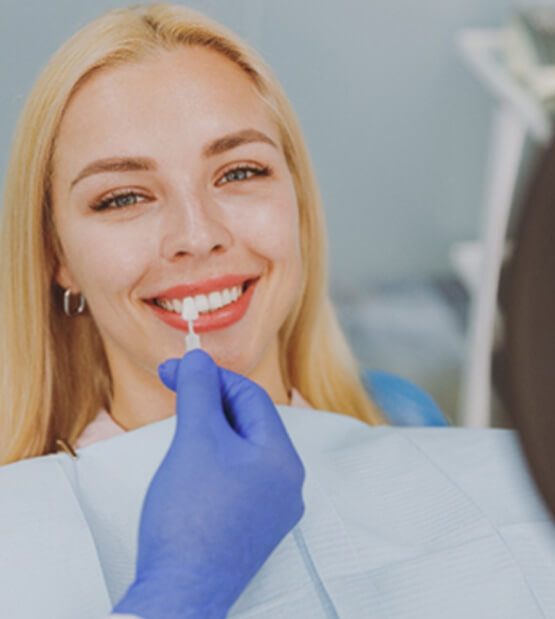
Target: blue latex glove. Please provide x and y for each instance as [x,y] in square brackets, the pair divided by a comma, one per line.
[227,492]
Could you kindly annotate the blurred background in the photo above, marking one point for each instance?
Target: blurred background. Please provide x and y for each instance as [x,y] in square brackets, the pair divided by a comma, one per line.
[404,132]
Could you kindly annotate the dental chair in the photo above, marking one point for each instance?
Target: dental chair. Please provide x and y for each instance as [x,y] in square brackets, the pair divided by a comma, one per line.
[401,402]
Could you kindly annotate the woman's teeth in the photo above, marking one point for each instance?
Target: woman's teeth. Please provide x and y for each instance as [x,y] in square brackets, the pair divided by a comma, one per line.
[204,303]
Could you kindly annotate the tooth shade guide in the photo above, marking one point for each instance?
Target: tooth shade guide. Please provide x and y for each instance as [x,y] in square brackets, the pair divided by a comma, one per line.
[192,339]
[188,310]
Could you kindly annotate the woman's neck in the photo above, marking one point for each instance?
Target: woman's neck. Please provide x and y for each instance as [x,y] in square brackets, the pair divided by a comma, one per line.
[140,399]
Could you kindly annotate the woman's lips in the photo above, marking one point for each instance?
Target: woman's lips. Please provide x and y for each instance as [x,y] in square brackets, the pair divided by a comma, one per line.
[219,319]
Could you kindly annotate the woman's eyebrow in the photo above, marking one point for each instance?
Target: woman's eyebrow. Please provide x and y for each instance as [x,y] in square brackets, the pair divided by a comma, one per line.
[126,164]
[232,140]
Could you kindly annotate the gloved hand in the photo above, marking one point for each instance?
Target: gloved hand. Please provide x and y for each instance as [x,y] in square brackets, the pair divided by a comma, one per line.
[225,495]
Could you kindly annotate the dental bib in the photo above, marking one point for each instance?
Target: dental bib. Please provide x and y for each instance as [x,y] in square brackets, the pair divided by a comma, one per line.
[399,523]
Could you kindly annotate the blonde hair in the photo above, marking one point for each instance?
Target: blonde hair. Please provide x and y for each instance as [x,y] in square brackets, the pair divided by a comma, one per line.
[54,374]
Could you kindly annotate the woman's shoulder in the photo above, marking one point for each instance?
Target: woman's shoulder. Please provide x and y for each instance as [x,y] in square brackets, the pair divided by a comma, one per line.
[298,401]
[102,427]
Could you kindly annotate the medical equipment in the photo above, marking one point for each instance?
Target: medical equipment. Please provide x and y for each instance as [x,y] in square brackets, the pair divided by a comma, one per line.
[530,52]
[189,313]
[521,119]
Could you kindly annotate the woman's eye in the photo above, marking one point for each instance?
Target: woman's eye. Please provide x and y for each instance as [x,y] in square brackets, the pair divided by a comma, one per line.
[243,173]
[118,200]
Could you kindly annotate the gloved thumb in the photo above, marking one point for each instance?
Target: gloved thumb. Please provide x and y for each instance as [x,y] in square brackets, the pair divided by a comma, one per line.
[199,403]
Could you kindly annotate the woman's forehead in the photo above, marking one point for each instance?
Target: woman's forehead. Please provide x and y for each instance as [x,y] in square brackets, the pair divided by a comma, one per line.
[190,94]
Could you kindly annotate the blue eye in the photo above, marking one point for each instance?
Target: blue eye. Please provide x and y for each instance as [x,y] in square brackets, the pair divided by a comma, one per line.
[243,173]
[121,200]
[125,199]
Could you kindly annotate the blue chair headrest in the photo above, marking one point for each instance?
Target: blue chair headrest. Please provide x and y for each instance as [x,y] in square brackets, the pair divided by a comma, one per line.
[403,403]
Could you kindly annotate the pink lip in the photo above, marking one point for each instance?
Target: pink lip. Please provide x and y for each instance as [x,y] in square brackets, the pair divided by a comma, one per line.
[209,285]
[224,317]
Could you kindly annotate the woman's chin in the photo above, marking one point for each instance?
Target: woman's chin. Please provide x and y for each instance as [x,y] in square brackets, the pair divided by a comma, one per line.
[231,357]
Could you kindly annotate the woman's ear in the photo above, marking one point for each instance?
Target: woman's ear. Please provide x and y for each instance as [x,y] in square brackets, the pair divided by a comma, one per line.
[64,278]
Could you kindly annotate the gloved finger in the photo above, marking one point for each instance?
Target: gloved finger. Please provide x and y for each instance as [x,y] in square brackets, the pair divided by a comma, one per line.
[199,404]
[167,371]
[252,415]
[250,409]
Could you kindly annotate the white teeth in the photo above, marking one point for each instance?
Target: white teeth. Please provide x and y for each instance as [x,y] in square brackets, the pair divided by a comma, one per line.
[202,303]
[167,305]
[215,300]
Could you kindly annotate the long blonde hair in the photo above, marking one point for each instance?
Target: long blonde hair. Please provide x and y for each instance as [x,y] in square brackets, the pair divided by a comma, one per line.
[54,374]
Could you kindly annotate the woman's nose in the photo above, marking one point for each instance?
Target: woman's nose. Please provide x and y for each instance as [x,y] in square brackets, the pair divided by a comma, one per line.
[193,225]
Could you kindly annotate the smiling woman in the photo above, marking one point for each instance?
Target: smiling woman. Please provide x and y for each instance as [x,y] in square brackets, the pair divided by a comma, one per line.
[156,160]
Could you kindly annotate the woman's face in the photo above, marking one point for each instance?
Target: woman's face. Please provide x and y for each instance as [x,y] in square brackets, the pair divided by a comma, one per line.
[188,163]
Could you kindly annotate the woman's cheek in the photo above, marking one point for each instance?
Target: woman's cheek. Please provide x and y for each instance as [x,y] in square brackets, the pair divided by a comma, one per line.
[272,228]
[118,256]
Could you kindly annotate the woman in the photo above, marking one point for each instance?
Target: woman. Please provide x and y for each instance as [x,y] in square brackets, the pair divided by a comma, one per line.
[157,150]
